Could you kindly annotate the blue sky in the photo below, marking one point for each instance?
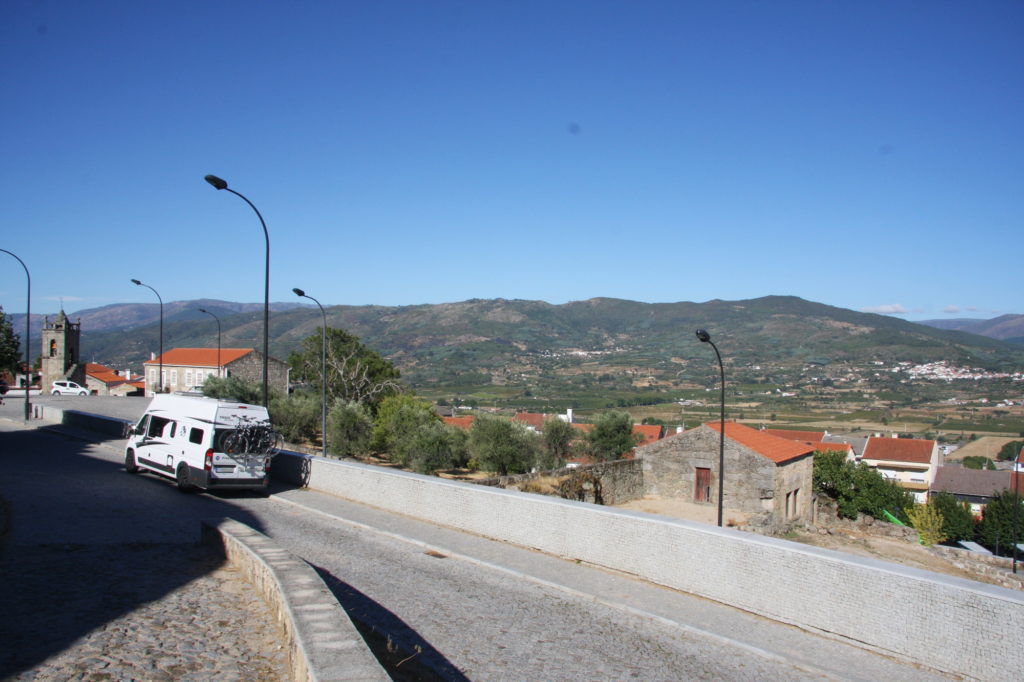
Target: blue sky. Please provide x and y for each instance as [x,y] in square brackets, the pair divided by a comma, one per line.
[868,155]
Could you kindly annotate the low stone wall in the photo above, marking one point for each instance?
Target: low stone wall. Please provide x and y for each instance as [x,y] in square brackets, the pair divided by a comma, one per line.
[323,643]
[950,624]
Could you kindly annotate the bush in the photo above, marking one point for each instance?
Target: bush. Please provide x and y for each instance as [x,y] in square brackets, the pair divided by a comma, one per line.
[978,462]
[1001,523]
[434,446]
[233,388]
[397,418]
[349,429]
[296,417]
[928,521]
[1010,450]
[957,518]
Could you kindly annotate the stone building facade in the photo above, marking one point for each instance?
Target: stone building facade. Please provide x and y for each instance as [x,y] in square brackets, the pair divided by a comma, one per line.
[188,368]
[765,476]
[61,352]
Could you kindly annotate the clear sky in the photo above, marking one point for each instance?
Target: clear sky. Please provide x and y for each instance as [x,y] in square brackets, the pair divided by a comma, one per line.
[868,154]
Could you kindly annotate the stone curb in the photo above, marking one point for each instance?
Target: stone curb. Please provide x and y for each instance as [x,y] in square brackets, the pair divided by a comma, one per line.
[323,643]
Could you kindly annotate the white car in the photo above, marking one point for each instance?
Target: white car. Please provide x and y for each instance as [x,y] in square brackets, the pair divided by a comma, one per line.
[67,388]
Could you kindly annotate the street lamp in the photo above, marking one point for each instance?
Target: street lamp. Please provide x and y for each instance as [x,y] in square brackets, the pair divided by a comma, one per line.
[204,310]
[323,375]
[28,334]
[160,380]
[704,337]
[217,183]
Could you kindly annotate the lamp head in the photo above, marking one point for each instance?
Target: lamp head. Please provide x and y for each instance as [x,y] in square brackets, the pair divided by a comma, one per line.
[136,282]
[703,336]
[299,292]
[216,182]
[204,310]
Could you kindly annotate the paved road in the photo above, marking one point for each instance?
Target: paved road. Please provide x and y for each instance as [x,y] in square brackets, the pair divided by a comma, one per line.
[462,607]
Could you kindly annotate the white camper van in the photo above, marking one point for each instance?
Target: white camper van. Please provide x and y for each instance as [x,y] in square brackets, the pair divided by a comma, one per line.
[203,442]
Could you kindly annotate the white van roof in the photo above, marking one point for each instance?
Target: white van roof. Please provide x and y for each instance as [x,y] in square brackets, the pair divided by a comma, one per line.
[205,409]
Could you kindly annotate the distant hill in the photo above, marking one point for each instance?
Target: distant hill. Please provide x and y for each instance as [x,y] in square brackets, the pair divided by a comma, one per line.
[500,341]
[1005,327]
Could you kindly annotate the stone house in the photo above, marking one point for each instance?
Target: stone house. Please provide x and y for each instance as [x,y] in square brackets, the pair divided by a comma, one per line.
[187,368]
[910,462]
[765,475]
[102,380]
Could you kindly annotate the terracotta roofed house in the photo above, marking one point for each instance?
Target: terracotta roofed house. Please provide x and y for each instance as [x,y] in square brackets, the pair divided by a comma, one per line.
[793,434]
[911,462]
[764,475]
[187,368]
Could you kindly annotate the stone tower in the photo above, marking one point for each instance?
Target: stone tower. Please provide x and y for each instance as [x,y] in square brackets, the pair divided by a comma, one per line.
[61,357]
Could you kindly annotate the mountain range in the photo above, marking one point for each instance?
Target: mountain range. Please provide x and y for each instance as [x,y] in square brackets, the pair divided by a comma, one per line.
[499,341]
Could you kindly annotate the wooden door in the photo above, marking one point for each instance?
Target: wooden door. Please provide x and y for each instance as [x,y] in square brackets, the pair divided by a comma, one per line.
[702,492]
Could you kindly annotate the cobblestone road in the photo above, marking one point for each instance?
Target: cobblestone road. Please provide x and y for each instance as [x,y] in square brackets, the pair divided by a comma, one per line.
[210,625]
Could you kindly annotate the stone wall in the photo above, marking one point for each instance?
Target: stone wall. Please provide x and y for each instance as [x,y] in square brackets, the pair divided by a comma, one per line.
[250,368]
[950,624]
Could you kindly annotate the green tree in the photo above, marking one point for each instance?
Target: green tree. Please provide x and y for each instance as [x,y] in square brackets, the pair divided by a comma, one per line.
[9,342]
[928,521]
[398,418]
[233,388]
[436,446]
[1010,450]
[957,518]
[296,417]
[354,371]
[978,462]
[503,446]
[858,488]
[558,437]
[611,437]
[349,429]
[1001,523]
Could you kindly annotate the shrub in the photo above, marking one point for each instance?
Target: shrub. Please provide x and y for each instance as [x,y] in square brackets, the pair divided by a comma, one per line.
[349,428]
[296,417]
[503,446]
[928,521]
[957,518]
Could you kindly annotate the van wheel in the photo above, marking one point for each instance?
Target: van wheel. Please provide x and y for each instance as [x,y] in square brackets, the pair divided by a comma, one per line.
[184,485]
[129,462]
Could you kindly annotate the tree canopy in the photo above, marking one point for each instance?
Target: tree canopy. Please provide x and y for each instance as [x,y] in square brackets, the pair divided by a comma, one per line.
[354,371]
[9,342]
[503,446]
[611,437]
[858,488]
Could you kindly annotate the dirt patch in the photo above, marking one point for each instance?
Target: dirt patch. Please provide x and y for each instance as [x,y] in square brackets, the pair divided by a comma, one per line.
[986,446]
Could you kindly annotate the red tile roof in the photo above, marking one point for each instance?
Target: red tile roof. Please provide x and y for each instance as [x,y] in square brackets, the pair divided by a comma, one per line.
[845,448]
[899,450]
[531,419]
[778,450]
[200,357]
[103,373]
[648,433]
[464,423]
[793,434]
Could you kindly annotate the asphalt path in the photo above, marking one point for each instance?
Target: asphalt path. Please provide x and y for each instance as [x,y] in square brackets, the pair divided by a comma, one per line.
[457,606]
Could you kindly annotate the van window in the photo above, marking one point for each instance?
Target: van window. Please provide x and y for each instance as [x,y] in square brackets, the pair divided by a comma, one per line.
[195,436]
[160,427]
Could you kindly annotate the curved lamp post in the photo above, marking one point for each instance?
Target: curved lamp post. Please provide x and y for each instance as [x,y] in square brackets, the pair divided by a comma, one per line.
[160,377]
[204,310]
[28,333]
[706,338]
[323,375]
[217,183]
